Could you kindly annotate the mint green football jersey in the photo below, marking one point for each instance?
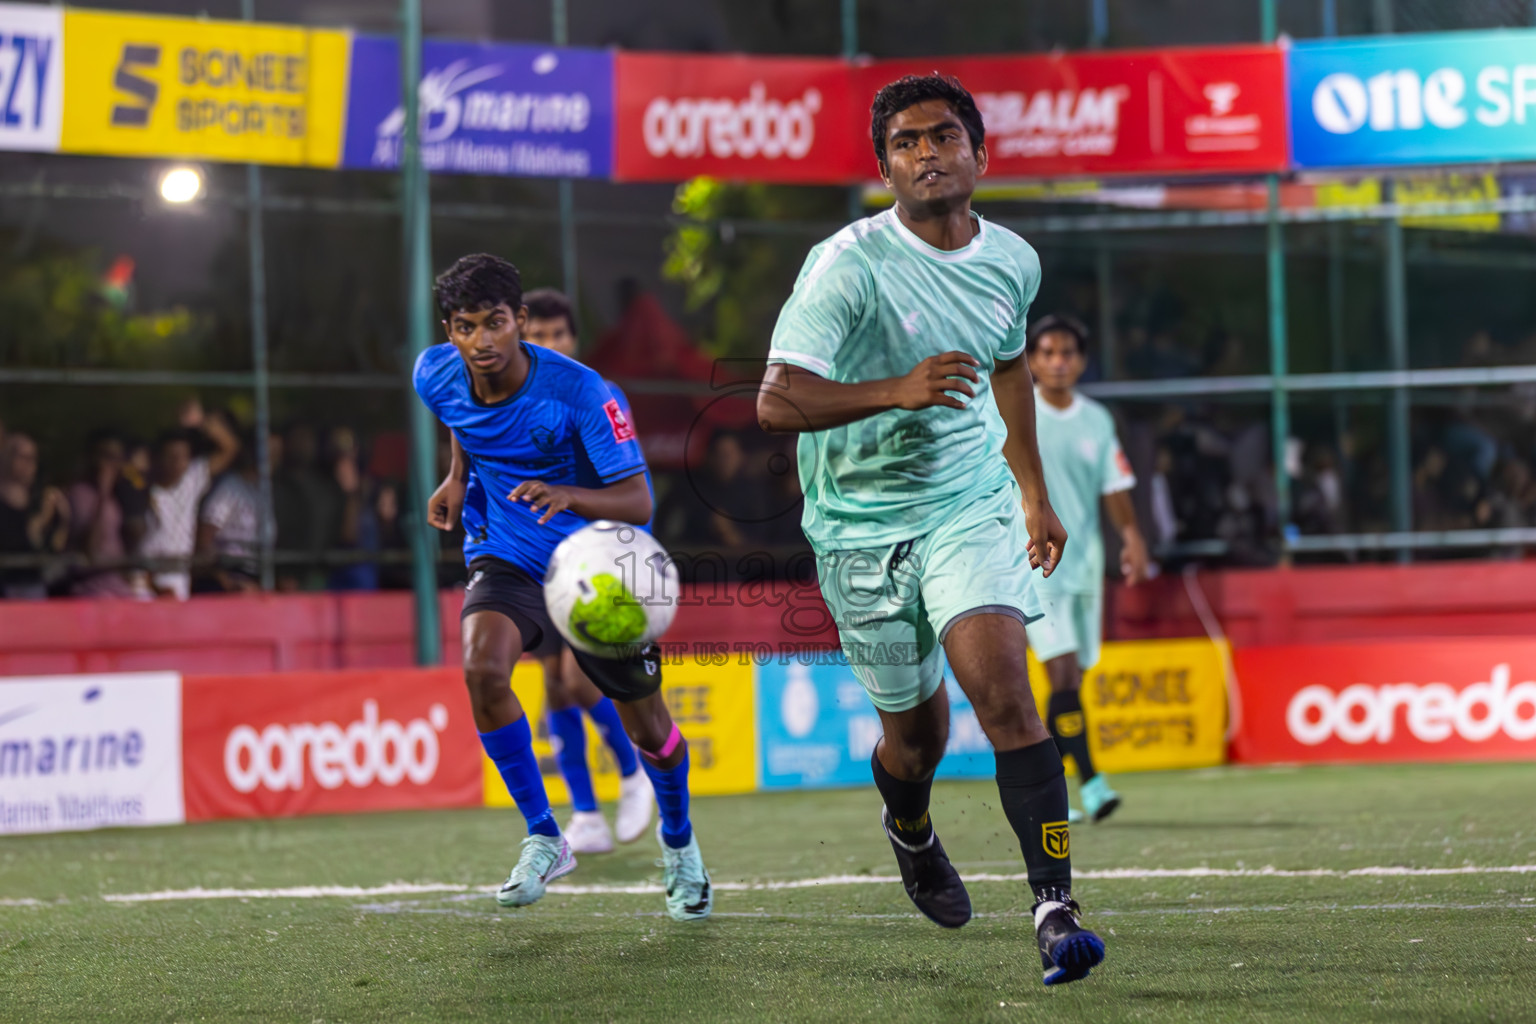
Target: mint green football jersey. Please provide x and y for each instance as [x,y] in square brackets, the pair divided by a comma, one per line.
[1083,462]
[872,302]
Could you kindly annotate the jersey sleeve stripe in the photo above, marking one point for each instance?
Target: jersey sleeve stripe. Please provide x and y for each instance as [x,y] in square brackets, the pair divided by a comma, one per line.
[800,359]
[1014,354]
[622,474]
[1125,483]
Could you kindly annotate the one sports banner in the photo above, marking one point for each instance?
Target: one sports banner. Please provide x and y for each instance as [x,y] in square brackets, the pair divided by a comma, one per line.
[138,85]
[496,109]
[1210,110]
[1464,97]
[81,752]
[1150,705]
[31,76]
[711,700]
[1404,700]
[264,746]
[783,119]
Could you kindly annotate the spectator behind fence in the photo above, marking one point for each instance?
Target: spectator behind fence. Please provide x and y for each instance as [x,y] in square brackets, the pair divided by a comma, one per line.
[96,524]
[180,477]
[358,526]
[32,522]
[307,505]
[228,533]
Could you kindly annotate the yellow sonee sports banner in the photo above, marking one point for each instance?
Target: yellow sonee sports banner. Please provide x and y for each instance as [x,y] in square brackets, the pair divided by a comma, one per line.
[213,90]
[711,704]
[1151,704]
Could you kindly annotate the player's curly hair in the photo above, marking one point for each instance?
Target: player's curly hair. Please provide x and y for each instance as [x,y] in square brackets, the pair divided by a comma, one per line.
[478,282]
[911,90]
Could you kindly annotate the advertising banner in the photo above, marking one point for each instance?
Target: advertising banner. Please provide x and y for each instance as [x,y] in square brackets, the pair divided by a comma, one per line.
[528,111]
[138,85]
[1140,112]
[31,76]
[711,701]
[328,742]
[1464,97]
[818,727]
[1423,700]
[1151,704]
[743,118]
[81,752]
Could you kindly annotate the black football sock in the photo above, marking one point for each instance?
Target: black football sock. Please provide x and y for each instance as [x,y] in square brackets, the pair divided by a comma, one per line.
[1034,792]
[1064,717]
[907,802]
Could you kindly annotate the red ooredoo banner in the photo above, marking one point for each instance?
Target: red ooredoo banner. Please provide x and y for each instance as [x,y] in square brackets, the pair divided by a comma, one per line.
[746,118]
[1217,110]
[1431,700]
[327,742]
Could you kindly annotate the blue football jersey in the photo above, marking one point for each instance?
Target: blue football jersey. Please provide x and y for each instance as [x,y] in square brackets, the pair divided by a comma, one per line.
[563,426]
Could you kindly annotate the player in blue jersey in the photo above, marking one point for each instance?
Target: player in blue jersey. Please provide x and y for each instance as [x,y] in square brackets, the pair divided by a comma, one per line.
[540,448]
[567,690]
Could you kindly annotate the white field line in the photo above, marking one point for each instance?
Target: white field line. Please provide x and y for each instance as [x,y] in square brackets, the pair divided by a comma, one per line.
[303,892]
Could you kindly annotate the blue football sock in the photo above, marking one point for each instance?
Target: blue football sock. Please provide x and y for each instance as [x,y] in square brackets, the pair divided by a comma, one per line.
[511,748]
[606,717]
[671,785]
[566,727]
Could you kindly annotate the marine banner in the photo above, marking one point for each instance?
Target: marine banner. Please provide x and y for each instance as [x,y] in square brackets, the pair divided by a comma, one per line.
[31,76]
[711,700]
[138,85]
[90,751]
[528,111]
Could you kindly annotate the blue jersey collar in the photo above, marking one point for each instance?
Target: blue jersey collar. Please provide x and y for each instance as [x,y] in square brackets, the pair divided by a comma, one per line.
[533,366]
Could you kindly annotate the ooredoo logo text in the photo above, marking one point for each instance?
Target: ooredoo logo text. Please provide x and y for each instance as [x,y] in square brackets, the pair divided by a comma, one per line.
[361,753]
[1430,712]
[757,125]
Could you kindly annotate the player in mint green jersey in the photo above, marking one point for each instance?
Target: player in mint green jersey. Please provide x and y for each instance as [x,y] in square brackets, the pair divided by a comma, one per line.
[1083,465]
[899,359]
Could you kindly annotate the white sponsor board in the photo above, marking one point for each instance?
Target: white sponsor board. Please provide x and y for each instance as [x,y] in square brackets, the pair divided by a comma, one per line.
[81,752]
[31,76]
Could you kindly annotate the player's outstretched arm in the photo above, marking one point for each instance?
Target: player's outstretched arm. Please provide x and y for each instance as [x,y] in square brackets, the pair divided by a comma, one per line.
[626,501]
[1133,547]
[1014,390]
[793,400]
[447,502]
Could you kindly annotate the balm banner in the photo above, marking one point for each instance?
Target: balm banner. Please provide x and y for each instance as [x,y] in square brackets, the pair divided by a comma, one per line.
[31,76]
[213,90]
[1465,97]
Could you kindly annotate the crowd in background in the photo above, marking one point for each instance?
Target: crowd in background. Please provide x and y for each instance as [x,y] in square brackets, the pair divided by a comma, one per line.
[179,514]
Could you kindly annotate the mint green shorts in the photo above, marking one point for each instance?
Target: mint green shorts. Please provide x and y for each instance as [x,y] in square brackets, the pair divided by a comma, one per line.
[895,604]
[1072,624]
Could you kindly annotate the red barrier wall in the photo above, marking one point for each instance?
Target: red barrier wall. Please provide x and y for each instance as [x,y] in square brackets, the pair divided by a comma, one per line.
[327,631]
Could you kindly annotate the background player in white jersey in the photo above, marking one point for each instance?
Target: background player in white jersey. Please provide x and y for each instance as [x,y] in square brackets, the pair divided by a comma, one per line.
[567,690]
[1083,465]
[900,361]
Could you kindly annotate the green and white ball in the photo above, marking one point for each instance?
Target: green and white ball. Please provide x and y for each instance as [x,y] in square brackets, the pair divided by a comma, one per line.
[610,588]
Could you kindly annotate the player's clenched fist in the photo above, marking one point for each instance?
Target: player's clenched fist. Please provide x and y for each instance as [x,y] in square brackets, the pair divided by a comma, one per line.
[446,504]
[553,498]
[925,385]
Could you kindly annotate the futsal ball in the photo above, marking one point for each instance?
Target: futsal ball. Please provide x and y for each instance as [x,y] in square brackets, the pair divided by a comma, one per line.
[610,589]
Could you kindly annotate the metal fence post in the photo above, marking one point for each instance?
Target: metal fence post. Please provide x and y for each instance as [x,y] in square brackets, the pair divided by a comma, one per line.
[415,203]
[1395,294]
[266,527]
[850,28]
[1279,359]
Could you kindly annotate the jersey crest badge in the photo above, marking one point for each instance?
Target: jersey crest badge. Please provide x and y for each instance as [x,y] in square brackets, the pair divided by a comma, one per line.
[622,431]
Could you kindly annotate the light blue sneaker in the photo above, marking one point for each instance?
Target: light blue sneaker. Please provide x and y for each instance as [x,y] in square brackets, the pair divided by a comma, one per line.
[1099,801]
[544,859]
[689,896]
